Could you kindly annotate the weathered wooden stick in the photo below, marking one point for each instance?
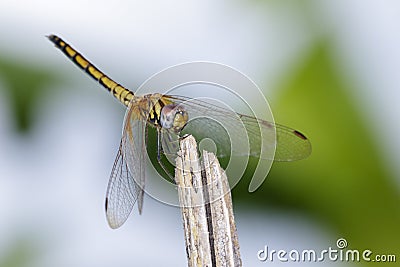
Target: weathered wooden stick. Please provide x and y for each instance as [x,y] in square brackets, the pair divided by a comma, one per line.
[206,206]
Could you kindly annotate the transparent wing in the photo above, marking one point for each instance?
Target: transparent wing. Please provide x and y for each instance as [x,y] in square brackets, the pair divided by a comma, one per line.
[121,193]
[126,184]
[220,124]
[291,144]
[134,148]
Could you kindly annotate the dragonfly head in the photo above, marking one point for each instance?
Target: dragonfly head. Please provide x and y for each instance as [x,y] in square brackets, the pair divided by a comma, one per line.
[173,117]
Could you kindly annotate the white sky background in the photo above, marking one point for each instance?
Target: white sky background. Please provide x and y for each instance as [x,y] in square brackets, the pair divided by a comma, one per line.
[56,195]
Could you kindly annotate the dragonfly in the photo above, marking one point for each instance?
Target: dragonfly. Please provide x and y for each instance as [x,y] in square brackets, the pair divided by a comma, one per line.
[169,114]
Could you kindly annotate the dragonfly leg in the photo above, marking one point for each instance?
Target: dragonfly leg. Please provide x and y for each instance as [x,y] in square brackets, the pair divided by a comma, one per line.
[160,152]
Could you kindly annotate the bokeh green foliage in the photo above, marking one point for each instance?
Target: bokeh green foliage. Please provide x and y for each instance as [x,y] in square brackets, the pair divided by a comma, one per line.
[20,253]
[25,85]
[344,184]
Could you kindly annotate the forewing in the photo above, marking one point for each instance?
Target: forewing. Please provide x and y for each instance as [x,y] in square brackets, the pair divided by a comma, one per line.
[292,144]
[263,136]
[134,148]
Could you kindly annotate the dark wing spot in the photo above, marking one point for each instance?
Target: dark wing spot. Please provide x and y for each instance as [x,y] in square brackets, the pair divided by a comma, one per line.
[106,203]
[299,134]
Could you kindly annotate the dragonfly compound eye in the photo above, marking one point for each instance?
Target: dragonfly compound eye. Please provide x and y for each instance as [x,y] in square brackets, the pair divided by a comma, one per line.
[173,116]
[180,119]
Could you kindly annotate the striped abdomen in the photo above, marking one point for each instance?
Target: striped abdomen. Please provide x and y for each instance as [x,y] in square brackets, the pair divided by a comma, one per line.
[123,94]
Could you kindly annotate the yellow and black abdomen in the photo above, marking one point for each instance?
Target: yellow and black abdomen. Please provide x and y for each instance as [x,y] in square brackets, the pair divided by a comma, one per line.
[123,94]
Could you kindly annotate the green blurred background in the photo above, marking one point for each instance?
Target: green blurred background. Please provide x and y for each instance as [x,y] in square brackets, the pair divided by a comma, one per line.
[328,68]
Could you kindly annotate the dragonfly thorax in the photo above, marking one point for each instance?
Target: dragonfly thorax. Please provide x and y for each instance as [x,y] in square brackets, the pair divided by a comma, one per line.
[173,117]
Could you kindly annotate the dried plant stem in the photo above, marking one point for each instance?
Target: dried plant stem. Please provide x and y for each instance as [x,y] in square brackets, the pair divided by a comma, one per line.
[206,206]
